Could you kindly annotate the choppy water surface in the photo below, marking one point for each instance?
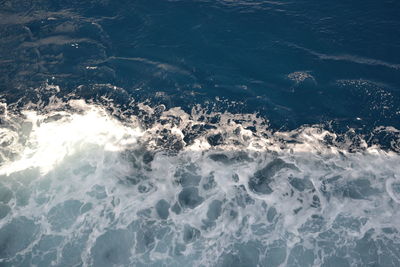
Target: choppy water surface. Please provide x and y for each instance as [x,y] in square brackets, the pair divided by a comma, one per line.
[199,133]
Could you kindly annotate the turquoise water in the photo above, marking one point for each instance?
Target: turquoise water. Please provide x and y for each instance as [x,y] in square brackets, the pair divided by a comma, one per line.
[203,133]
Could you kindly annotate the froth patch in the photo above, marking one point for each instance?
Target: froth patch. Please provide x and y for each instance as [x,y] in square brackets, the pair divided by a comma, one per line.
[199,188]
[52,136]
[42,139]
[393,189]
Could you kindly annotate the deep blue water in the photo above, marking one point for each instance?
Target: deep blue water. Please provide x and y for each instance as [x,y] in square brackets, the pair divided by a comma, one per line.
[236,50]
[294,68]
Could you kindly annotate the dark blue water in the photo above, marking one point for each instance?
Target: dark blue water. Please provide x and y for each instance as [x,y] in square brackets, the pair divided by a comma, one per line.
[292,107]
[237,50]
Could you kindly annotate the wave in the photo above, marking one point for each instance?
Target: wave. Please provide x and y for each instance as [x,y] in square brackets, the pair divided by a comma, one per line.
[85,183]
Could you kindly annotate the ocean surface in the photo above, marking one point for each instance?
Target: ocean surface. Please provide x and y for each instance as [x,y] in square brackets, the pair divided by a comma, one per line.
[199,133]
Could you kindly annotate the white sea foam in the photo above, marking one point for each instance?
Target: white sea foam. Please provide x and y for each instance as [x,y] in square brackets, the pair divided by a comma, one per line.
[55,135]
[81,187]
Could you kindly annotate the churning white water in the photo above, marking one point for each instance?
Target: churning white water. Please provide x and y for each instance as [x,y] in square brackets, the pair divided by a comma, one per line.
[79,186]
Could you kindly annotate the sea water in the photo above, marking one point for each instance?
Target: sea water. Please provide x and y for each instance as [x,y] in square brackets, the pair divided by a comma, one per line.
[199,133]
